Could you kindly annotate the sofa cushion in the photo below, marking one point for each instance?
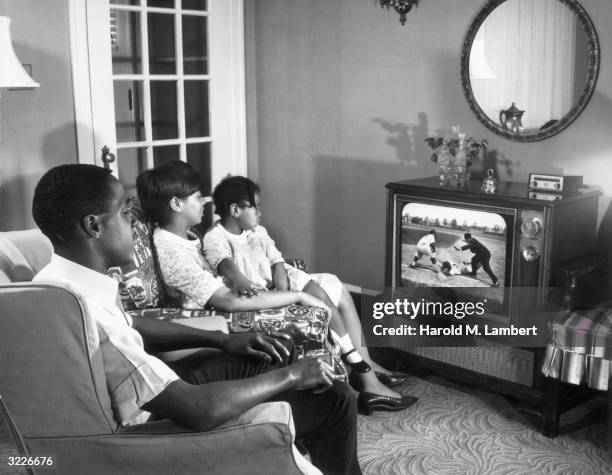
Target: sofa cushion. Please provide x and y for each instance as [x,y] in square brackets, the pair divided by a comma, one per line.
[139,287]
[23,254]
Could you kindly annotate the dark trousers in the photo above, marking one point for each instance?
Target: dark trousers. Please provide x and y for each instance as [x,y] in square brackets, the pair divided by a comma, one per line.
[484,260]
[325,422]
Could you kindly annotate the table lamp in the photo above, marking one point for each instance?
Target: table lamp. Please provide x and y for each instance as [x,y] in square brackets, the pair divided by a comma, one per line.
[12,73]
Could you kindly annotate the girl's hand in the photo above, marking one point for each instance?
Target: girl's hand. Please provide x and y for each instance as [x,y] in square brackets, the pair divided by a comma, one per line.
[245,287]
[309,300]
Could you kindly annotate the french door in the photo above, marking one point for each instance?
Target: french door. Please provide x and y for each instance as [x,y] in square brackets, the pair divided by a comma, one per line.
[159,80]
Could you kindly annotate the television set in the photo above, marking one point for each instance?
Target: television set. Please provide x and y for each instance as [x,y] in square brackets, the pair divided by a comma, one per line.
[525,237]
[532,238]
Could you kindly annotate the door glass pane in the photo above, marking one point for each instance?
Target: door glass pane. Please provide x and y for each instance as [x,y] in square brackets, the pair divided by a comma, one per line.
[130,163]
[161,3]
[198,156]
[164,113]
[125,42]
[128,111]
[196,109]
[165,154]
[162,56]
[125,2]
[195,60]
[194,4]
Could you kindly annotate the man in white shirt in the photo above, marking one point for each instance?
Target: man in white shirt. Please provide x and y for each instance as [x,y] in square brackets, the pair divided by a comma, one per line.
[85,213]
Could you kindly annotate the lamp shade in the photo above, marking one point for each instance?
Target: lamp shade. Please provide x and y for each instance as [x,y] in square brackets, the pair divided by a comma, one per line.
[12,73]
[479,67]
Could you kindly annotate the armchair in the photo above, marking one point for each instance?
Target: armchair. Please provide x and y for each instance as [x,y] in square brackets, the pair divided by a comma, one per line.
[55,389]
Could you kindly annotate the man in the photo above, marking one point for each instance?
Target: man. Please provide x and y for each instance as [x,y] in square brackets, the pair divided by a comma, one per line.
[452,268]
[85,213]
[426,247]
[482,256]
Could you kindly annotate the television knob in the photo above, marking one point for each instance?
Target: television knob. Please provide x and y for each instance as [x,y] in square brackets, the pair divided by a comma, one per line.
[557,186]
[535,184]
[531,227]
[530,253]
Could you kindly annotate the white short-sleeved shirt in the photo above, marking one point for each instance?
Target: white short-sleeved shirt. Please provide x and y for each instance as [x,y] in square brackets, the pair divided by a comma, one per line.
[424,244]
[133,376]
[184,269]
[253,251]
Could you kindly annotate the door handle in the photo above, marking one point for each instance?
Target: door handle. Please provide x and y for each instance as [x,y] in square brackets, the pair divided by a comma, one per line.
[107,157]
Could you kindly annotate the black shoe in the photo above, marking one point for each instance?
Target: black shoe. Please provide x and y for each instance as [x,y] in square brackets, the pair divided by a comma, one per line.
[495,284]
[370,402]
[359,367]
[391,380]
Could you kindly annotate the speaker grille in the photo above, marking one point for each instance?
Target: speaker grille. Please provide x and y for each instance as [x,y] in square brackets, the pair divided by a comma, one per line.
[499,361]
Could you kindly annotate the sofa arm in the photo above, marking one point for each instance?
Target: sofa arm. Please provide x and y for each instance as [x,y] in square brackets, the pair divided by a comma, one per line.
[260,441]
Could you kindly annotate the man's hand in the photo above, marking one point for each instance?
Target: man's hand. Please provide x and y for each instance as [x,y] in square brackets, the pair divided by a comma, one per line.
[258,345]
[307,299]
[312,373]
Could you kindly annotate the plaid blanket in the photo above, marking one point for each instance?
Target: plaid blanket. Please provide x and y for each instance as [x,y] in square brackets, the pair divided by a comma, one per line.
[580,347]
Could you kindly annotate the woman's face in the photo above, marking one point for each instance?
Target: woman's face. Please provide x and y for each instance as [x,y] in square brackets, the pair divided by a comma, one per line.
[193,208]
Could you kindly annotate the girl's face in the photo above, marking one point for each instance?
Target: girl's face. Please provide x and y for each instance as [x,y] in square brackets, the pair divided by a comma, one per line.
[250,215]
[193,208]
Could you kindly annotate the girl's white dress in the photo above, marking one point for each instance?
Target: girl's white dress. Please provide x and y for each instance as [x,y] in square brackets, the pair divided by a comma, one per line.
[254,253]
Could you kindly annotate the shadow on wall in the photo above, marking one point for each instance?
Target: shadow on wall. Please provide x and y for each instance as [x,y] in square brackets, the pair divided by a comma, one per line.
[17,189]
[407,140]
[16,201]
[350,214]
[410,148]
[493,160]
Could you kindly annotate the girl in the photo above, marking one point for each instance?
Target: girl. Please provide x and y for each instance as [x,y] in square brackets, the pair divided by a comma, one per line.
[172,202]
[240,249]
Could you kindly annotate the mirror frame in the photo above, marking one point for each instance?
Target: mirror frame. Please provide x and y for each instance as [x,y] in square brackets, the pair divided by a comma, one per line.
[577,108]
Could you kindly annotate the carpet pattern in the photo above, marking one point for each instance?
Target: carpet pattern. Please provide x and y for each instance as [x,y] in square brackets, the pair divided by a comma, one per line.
[452,429]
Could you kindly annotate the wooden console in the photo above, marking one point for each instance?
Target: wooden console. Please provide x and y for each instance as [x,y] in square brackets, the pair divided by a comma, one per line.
[556,229]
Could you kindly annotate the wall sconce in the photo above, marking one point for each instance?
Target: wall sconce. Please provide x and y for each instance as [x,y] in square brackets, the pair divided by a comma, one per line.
[400,6]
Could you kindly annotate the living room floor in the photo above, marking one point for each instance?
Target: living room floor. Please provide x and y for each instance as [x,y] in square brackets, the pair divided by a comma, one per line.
[455,429]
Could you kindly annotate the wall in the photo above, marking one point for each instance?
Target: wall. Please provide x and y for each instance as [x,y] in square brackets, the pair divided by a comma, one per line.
[36,126]
[341,97]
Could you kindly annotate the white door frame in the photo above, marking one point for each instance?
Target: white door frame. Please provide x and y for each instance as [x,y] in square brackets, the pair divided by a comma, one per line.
[94,113]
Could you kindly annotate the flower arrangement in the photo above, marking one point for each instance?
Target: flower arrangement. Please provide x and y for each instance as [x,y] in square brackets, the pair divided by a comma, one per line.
[454,156]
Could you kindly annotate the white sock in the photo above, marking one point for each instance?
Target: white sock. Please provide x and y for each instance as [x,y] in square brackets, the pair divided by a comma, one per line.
[346,345]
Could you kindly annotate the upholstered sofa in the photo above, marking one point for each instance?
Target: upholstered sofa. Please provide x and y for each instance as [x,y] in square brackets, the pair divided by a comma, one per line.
[55,389]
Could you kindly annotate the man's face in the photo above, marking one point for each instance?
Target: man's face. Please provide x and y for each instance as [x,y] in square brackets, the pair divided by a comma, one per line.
[116,238]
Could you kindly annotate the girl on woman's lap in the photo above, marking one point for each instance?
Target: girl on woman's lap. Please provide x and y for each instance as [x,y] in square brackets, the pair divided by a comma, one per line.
[240,249]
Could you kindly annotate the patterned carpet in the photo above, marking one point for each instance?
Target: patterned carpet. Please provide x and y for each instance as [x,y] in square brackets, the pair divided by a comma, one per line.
[456,430]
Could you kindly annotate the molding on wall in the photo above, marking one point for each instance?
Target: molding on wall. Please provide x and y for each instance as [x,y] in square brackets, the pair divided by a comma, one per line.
[81,89]
[228,119]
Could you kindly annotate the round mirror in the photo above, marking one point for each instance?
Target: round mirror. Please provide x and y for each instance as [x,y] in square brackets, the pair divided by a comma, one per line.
[529,67]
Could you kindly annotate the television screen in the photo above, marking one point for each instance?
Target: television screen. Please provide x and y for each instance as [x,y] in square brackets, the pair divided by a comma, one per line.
[466,249]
